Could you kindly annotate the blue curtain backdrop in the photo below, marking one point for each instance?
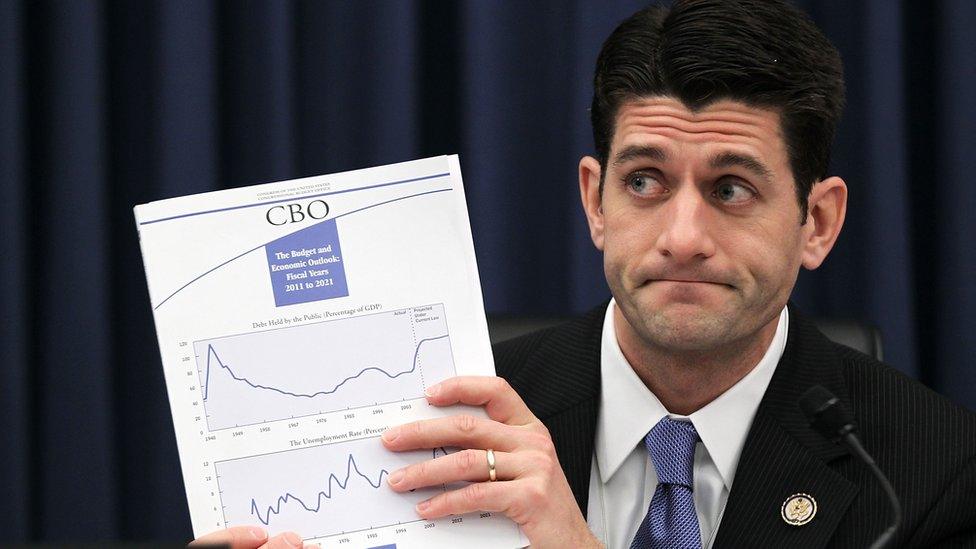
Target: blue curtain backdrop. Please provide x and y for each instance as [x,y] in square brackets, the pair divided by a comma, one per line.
[105,104]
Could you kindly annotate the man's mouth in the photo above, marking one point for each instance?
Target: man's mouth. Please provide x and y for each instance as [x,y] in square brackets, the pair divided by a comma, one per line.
[687,281]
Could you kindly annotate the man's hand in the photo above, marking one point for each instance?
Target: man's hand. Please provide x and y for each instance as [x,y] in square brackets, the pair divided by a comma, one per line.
[249,537]
[531,488]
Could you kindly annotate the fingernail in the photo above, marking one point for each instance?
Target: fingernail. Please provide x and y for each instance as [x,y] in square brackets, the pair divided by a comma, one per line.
[396,477]
[257,533]
[423,505]
[391,434]
[293,539]
[432,390]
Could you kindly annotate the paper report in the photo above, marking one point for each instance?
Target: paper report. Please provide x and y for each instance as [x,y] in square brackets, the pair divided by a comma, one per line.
[296,322]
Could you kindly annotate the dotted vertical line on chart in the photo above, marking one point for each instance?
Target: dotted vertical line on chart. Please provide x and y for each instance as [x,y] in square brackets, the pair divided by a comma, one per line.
[423,384]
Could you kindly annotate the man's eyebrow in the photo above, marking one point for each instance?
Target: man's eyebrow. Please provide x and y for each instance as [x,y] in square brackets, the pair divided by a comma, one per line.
[751,163]
[647,152]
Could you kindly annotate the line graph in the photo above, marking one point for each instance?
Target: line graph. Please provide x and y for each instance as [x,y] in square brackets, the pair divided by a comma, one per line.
[212,353]
[326,494]
[323,367]
[315,489]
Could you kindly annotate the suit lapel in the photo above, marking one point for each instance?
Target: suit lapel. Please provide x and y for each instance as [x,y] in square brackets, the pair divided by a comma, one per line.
[783,456]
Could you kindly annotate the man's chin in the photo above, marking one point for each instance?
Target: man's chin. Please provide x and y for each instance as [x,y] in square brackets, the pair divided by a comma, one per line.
[685,328]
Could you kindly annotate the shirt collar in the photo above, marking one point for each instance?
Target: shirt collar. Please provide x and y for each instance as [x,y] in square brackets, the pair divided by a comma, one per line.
[628,409]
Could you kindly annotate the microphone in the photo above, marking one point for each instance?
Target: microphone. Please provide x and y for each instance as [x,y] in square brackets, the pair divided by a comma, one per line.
[828,416]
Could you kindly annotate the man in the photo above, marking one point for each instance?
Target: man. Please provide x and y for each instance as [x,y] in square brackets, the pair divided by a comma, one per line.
[669,418]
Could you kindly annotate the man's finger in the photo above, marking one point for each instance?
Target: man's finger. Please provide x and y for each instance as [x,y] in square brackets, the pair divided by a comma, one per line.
[479,496]
[288,540]
[237,537]
[466,465]
[500,401]
[461,430]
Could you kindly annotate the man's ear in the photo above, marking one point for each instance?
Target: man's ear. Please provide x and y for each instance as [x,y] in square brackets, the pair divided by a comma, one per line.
[589,184]
[826,208]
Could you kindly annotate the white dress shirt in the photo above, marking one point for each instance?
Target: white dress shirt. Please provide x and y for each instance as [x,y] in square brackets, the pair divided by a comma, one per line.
[623,479]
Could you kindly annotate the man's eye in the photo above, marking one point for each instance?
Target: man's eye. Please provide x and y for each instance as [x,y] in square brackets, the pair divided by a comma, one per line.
[642,183]
[733,193]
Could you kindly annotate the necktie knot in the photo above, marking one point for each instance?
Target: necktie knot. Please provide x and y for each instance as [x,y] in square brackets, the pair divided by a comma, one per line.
[671,444]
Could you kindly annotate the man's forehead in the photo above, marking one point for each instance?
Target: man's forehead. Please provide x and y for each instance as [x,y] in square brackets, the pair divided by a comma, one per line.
[725,121]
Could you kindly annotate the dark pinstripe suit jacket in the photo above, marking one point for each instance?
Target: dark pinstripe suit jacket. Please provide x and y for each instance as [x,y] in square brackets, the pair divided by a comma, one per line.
[924,444]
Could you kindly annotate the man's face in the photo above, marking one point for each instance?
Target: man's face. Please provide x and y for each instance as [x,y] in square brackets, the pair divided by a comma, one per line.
[698,221]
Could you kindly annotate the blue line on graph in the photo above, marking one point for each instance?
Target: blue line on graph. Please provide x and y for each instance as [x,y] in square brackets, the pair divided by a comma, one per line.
[327,493]
[211,352]
[351,466]
[235,258]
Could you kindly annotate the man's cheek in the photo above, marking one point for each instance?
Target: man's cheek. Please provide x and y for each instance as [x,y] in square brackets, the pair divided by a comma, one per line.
[615,271]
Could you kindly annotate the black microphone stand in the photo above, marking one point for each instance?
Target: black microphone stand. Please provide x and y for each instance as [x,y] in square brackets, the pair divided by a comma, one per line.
[830,418]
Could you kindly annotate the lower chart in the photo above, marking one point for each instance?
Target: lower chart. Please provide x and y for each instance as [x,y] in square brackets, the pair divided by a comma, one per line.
[314,490]
[323,367]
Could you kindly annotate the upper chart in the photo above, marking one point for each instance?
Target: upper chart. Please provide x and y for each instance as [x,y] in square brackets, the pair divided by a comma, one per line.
[317,368]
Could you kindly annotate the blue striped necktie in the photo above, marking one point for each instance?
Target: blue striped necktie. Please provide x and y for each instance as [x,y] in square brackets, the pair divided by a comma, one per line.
[671,521]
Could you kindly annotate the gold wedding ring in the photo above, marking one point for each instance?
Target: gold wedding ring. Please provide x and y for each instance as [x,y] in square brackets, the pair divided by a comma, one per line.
[491,465]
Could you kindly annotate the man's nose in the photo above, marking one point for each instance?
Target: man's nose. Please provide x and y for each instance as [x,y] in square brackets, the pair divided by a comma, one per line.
[686,234]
